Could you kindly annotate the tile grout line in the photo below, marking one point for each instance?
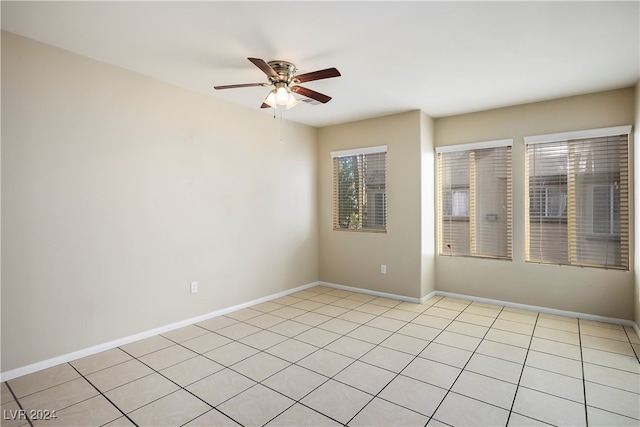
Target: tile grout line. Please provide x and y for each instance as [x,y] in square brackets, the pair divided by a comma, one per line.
[472,353]
[81,376]
[215,408]
[631,344]
[351,363]
[464,367]
[393,332]
[397,374]
[299,401]
[524,364]
[290,363]
[164,376]
[103,395]
[178,385]
[15,398]
[415,357]
[584,384]
[553,372]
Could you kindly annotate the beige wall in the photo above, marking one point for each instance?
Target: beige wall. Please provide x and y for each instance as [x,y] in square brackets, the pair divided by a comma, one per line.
[636,217]
[587,290]
[428,211]
[119,190]
[354,258]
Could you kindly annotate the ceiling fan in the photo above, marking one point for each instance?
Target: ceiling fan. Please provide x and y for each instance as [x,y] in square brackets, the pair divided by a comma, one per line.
[282,75]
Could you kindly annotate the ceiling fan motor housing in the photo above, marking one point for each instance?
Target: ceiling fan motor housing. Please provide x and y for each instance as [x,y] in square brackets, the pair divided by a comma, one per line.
[284,69]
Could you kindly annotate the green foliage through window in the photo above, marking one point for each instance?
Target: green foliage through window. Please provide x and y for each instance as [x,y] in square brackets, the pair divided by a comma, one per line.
[360,192]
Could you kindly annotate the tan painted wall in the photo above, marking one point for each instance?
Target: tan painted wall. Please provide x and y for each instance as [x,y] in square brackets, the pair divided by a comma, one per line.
[636,217]
[119,190]
[428,212]
[354,258]
[595,291]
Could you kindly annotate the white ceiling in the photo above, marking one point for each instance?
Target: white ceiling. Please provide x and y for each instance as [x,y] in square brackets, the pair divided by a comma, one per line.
[444,58]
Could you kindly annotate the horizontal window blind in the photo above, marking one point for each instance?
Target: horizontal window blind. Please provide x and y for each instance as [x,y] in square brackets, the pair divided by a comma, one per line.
[474,201]
[360,189]
[578,200]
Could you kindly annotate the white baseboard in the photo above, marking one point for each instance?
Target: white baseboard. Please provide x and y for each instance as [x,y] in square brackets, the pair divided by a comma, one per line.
[370,292]
[38,366]
[428,296]
[546,310]
[540,309]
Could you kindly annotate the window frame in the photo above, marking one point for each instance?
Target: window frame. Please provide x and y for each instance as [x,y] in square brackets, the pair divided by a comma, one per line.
[452,214]
[610,211]
[444,249]
[576,234]
[558,183]
[364,191]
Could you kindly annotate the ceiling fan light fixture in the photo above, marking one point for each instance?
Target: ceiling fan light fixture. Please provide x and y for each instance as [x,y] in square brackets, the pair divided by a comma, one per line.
[292,101]
[282,95]
[270,100]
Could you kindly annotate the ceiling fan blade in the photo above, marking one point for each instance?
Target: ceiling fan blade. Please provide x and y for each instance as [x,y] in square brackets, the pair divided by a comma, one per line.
[317,75]
[310,94]
[240,85]
[265,105]
[266,68]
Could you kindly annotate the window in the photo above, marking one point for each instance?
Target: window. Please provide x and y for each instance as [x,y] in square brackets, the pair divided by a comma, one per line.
[360,189]
[455,203]
[548,199]
[605,209]
[577,210]
[474,200]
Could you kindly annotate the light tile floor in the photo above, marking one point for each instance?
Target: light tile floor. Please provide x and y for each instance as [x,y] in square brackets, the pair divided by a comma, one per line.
[324,357]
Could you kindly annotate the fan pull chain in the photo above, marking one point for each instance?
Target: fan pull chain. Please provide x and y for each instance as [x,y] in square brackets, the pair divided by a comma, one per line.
[280,124]
[280,130]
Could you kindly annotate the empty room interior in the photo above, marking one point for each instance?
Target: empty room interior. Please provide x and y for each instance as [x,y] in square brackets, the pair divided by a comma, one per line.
[320,213]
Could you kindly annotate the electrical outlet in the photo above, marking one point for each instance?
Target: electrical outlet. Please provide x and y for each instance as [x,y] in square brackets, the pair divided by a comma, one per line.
[194,287]
[383,269]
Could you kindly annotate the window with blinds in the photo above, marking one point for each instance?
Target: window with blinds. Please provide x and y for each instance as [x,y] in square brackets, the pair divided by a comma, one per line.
[360,189]
[474,200]
[578,198]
